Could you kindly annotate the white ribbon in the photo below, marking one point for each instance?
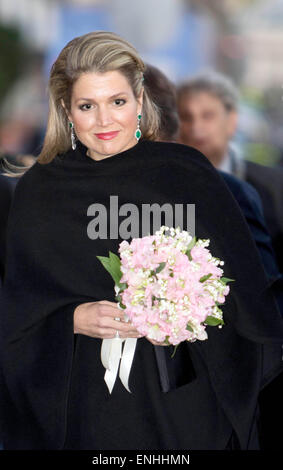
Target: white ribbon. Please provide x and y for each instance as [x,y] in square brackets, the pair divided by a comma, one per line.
[111,353]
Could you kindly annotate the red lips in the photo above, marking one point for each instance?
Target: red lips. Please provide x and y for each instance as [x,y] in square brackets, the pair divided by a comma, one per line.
[107,135]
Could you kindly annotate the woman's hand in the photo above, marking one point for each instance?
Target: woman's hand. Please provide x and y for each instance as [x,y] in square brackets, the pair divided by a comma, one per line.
[98,320]
[102,320]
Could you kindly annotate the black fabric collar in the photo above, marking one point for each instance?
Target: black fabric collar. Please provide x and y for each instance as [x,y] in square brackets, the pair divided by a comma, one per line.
[123,161]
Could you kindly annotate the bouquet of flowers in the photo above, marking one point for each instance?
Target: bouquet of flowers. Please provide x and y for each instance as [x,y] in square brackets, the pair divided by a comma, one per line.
[169,284]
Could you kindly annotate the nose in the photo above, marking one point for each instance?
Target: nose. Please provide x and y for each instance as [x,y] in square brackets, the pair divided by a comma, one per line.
[103,117]
[197,129]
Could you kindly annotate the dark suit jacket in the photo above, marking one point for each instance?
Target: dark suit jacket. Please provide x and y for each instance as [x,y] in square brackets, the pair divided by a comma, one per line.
[269,184]
[6,192]
[251,206]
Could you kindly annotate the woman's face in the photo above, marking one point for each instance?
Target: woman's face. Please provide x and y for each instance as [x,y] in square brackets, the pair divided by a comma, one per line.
[104,112]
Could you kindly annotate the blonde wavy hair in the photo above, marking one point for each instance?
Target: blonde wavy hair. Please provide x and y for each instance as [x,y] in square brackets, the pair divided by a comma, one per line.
[98,51]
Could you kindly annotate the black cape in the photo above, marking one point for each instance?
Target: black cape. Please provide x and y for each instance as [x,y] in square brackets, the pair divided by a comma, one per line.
[54,395]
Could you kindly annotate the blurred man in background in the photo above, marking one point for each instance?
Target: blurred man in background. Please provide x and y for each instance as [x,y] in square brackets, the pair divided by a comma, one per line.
[208,114]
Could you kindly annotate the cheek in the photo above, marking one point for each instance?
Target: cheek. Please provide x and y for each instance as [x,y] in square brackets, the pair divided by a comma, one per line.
[82,121]
[224,133]
[216,130]
[222,126]
[129,119]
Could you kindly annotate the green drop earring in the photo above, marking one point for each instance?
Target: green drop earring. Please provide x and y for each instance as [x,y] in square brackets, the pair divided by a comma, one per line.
[138,133]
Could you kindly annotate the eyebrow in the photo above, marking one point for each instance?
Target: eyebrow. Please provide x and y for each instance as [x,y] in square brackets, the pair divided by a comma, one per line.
[110,97]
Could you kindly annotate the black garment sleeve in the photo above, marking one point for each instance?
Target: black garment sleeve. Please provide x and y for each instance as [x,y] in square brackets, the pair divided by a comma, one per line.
[41,365]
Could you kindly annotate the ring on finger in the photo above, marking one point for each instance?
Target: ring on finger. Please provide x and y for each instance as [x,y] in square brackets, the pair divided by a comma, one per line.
[117,335]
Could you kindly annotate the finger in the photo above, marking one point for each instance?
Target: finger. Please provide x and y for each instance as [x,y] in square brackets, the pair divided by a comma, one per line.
[103,322]
[123,327]
[109,309]
[114,309]
[124,335]
[107,302]
[111,334]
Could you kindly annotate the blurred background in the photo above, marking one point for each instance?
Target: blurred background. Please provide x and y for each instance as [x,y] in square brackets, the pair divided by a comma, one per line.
[241,38]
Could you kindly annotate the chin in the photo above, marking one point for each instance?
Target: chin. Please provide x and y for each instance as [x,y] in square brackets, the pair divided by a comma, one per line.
[202,149]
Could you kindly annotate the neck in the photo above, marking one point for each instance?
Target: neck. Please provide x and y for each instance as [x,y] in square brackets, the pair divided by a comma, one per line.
[217,159]
[95,157]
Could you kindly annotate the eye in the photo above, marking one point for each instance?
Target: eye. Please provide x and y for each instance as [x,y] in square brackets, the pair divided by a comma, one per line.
[119,102]
[85,107]
[186,117]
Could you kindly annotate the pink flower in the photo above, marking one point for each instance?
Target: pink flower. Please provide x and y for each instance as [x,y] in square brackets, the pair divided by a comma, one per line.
[167,290]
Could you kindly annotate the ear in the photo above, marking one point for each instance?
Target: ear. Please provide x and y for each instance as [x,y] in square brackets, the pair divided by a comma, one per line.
[232,121]
[66,111]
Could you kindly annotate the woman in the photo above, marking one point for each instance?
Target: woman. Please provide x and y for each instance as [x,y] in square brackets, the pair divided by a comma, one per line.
[57,303]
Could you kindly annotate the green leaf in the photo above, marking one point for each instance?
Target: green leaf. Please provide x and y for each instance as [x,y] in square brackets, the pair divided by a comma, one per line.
[204,278]
[192,243]
[188,253]
[212,321]
[114,258]
[118,298]
[116,267]
[105,261]
[122,286]
[190,246]
[160,267]
[189,328]
[112,265]
[224,280]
